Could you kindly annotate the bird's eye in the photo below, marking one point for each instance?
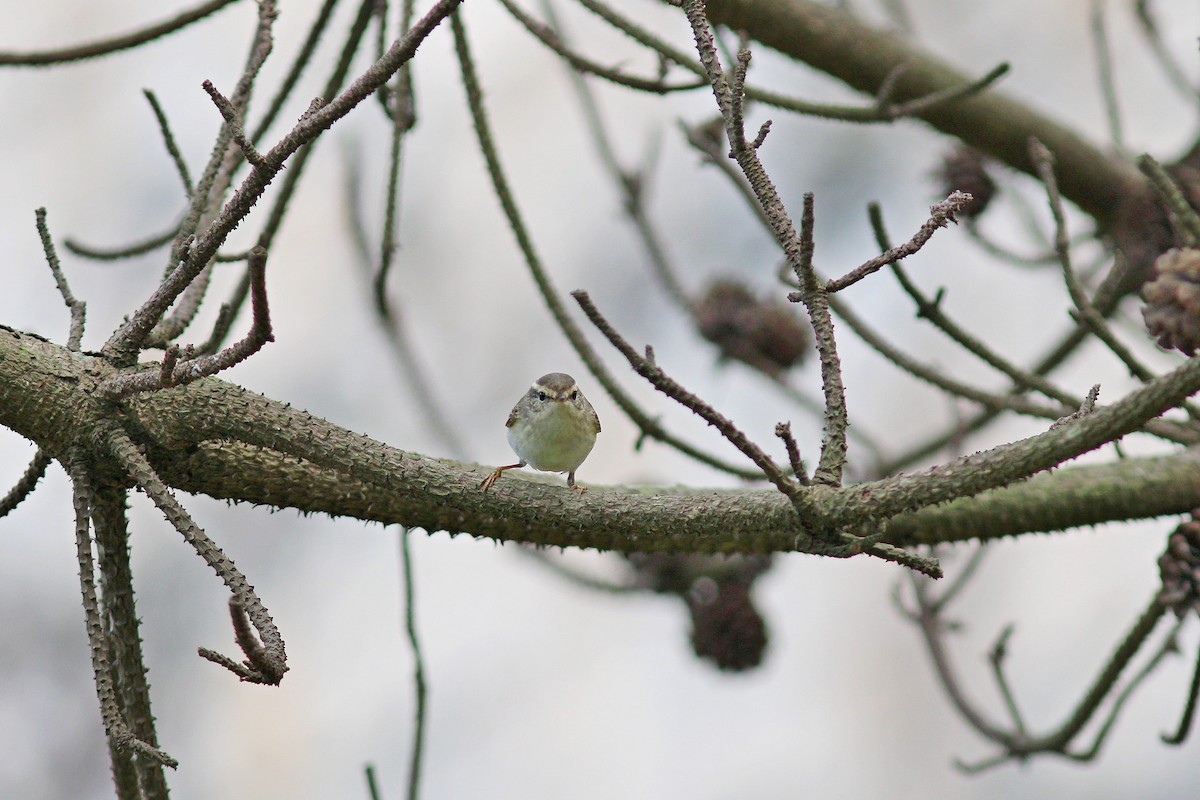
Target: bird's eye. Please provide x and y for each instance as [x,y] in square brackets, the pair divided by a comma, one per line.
[542,396]
[575,395]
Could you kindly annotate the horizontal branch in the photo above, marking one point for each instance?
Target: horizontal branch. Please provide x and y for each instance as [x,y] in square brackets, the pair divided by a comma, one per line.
[215,438]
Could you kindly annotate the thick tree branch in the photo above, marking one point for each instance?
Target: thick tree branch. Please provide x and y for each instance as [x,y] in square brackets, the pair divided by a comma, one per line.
[837,43]
[217,439]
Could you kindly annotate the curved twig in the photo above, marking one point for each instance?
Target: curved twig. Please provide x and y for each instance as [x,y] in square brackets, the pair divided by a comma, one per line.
[115,44]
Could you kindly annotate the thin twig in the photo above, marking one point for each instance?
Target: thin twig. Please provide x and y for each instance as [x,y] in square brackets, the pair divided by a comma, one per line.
[997,656]
[1189,708]
[875,112]
[118,731]
[798,248]
[152,326]
[299,63]
[233,120]
[1187,221]
[271,662]
[1168,647]
[1043,161]
[419,682]
[148,244]
[26,483]
[178,373]
[784,431]
[940,215]
[1170,66]
[114,44]
[393,320]
[333,84]
[78,308]
[645,366]
[1104,67]
[547,36]
[169,142]
[1017,743]
[931,310]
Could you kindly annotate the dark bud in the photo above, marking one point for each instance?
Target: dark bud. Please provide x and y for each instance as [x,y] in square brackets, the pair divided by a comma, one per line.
[764,334]
[1172,310]
[964,170]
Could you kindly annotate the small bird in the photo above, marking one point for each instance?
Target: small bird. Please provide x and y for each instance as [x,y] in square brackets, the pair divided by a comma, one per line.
[552,428]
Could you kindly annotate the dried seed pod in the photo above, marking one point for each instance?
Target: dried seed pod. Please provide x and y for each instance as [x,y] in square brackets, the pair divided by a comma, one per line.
[1179,568]
[765,334]
[1172,310]
[726,627]
[965,170]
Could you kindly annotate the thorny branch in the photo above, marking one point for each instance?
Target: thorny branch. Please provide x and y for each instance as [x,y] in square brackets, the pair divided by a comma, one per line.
[798,248]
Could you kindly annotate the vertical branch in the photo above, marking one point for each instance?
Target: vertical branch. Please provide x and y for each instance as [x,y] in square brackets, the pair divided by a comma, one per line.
[122,743]
[419,685]
[149,324]
[1043,162]
[797,248]
[1108,87]
[128,667]
[77,307]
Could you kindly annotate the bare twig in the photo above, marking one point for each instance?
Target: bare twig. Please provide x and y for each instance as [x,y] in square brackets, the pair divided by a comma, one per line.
[178,373]
[784,431]
[1184,217]
[1086,407]
[419,680]
[260,664]
[115,726]
[26,483]
[392,319]
[270,663]
[547,36]
[172,146]
[299,63]
[875,112]
[125,251]
[152,326]
[233,120]
[645,366]
[1016,742]
[940,215]
[798,248]
[1108,85]
[1189,708]
[997,656]
[931,310]
[333,84]
[78,308]
[1043,161]
[115,44]
[1170,66]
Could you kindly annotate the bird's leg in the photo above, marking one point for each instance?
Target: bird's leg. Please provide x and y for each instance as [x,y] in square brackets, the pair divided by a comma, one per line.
[492,478]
